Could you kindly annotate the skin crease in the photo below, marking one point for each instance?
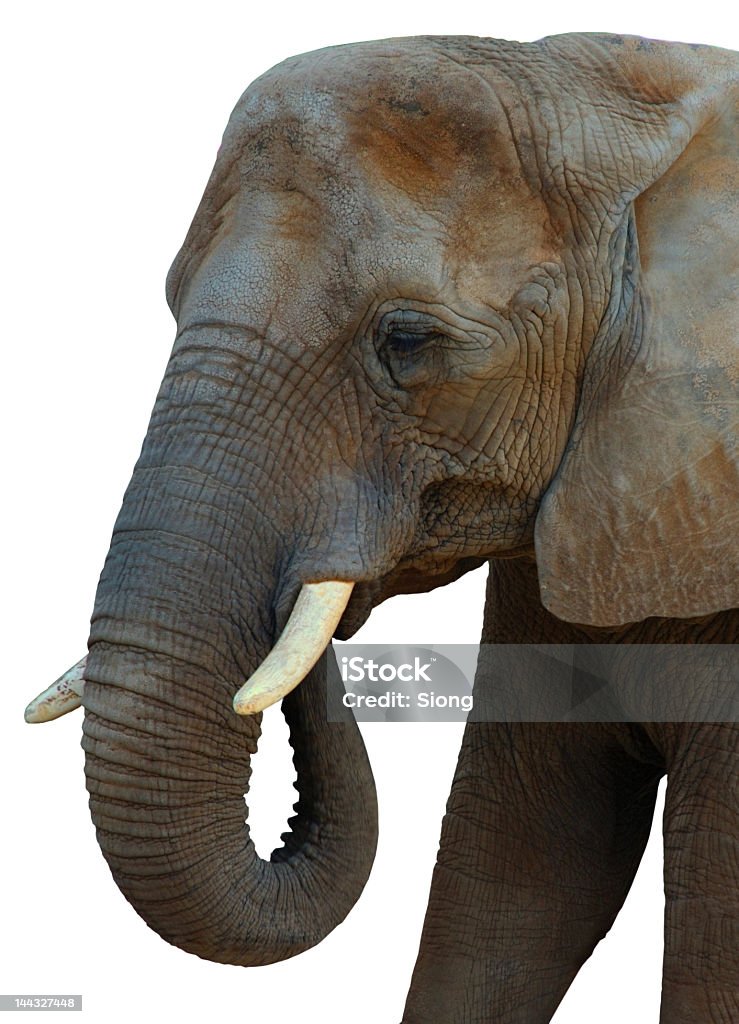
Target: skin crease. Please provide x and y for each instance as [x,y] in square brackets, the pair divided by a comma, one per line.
[411,282]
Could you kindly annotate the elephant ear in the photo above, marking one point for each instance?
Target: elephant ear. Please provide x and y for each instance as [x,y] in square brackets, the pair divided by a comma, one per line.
[642,517]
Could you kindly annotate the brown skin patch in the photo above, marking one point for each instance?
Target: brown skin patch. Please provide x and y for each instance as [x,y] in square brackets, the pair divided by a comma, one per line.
[446,150]
[417,145]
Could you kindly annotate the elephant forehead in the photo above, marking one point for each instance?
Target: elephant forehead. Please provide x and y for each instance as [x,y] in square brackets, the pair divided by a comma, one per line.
[381,166]
[406,109]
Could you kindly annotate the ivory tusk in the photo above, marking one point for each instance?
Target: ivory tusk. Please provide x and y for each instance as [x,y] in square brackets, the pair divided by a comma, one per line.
[302,642]
[61,697]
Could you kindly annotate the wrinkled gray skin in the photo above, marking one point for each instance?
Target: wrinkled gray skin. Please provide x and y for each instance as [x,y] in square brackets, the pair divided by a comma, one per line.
[443,301]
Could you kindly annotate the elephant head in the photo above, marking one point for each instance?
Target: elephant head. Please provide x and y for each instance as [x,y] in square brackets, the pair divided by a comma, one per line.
[443,300]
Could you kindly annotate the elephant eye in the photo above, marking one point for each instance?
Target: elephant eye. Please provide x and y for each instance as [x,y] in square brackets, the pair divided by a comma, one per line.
[411,347]
[403,342]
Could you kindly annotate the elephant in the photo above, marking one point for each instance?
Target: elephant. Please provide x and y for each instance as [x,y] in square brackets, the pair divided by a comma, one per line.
[445,301]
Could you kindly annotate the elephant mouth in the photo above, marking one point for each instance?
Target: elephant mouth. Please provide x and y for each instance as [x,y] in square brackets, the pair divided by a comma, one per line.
[365,596]
[410,577]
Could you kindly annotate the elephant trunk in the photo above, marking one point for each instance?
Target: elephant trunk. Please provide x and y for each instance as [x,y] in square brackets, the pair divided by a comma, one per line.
[167,800]
[176,629]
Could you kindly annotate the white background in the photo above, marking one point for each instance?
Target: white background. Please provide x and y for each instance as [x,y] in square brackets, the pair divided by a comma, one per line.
[112,118]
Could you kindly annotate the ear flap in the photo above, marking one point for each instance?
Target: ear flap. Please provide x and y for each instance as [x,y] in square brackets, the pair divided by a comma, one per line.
[642,518]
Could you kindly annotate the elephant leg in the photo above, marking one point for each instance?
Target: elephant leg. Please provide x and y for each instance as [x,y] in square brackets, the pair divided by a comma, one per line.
[701,826]
[545,827]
